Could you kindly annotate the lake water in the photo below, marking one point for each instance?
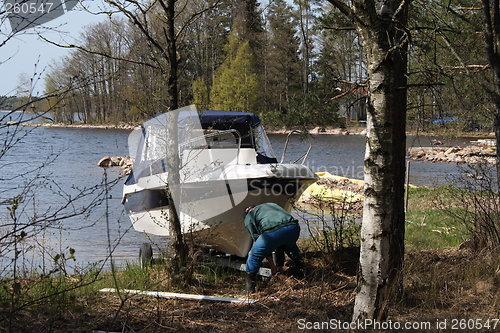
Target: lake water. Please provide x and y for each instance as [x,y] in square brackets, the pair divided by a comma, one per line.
[69,157]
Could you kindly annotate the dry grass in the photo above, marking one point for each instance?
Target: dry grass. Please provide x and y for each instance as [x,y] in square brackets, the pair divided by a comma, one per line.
[438,285]
[451,284]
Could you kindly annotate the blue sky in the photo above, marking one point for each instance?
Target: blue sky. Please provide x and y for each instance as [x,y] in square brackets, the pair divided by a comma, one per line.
[27,55]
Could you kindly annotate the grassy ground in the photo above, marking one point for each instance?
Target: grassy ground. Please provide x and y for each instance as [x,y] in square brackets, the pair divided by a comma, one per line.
[428,226]
[444,288]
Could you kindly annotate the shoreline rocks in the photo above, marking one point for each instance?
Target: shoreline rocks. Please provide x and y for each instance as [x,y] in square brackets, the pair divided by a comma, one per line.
[125,163]
[65,125]
[469,154]
[324,130]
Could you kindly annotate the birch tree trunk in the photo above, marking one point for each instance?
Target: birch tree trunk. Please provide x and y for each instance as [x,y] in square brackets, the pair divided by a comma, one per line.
[383,36]
[491,15]
[177,243]
[172,191]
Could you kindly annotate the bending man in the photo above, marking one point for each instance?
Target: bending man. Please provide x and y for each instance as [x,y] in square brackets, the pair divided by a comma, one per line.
[271,228]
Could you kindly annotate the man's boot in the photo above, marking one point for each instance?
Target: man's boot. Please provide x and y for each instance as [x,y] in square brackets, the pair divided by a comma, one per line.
[301,268]
[250,282]
[279,258]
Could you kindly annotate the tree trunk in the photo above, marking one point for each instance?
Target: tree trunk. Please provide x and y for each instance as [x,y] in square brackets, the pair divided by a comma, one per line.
[491,15]
[496,127]
[173,91]
[382,234]
[173,189]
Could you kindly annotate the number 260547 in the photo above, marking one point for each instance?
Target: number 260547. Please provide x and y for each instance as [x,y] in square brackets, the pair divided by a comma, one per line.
[461,324]
[28,8]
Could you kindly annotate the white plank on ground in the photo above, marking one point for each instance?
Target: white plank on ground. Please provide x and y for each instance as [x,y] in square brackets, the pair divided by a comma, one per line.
[163,294]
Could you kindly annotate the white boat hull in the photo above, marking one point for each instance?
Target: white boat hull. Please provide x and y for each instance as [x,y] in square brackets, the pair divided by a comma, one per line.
[214,217]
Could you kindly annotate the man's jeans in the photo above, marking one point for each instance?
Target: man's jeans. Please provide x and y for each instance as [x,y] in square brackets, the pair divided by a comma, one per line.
[268,242]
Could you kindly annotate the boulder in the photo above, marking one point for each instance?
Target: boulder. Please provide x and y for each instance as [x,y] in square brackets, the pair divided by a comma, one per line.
[116,160]
[105,162]
[109,162]
[441,156]
[452,150]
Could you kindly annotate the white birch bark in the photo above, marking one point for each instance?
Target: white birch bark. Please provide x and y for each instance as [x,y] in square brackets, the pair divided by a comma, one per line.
[382,233]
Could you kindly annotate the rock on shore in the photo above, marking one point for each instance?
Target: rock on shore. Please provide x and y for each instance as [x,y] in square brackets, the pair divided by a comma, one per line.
[469,154]
[124,162]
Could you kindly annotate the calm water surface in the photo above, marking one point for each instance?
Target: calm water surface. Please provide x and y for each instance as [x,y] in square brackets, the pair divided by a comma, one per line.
[343,155]
[69,157]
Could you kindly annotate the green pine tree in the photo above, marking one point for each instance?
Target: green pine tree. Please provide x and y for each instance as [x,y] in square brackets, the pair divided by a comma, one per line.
[235,86]
[201,94]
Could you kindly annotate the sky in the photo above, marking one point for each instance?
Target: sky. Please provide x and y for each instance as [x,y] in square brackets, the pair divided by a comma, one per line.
[29,56]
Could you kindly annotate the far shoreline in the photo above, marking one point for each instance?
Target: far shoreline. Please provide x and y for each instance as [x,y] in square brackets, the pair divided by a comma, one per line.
[355,130]
[89,126]
[316,130]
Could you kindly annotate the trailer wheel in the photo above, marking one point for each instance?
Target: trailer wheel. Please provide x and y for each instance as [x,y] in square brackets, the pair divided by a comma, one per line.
[145,254]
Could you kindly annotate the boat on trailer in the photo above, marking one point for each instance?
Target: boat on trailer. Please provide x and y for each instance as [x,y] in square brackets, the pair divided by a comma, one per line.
[226,164]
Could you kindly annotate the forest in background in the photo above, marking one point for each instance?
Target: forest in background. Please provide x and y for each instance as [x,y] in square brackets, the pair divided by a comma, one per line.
[294,63]
[12,102]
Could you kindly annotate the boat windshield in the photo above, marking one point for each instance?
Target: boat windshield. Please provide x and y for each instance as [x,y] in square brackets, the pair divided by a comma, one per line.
[196,129]
[265,153]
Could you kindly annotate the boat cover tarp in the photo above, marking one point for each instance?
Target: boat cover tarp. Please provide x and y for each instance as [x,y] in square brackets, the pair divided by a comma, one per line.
[151,155]
[212,117]
[327,194]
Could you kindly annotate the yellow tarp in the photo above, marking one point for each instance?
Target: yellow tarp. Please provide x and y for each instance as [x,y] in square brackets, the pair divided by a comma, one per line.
[329,175]
[325,194]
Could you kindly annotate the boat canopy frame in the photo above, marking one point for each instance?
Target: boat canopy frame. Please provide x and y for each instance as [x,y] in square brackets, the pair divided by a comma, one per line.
[151,154]
[305,155]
